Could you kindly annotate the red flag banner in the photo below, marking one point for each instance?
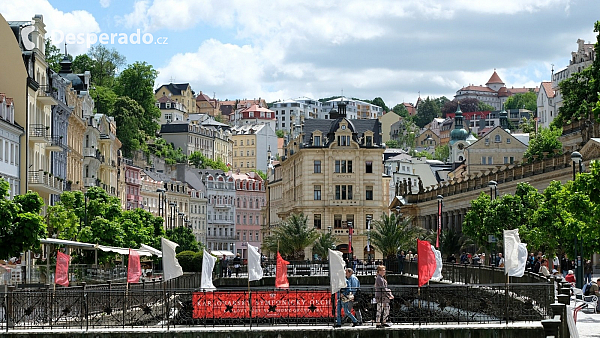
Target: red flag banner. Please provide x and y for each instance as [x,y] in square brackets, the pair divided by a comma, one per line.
[134,269]
[426,262]
[61,275]
[281,280]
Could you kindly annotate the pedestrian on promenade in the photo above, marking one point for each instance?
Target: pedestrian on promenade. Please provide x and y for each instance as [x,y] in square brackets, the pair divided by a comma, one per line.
[400,258]
[237,264]
[224,266]
[353,288]
[383,296]
[345,297]
[587,270]
[570,277]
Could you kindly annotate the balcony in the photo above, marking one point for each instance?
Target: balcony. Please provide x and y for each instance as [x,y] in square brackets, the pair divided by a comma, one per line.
[43,182]
[56,144]
[93,153]
[132,180]
[38,133]
[45,96]
[90,182]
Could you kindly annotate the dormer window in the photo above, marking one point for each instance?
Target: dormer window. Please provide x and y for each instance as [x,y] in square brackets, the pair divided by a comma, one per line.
[317,141]
[369,141]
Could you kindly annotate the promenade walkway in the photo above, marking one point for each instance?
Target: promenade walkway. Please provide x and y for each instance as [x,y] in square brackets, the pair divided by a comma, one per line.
[588,323]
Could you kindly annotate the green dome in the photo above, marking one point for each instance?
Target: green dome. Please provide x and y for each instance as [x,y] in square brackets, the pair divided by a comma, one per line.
[459,135]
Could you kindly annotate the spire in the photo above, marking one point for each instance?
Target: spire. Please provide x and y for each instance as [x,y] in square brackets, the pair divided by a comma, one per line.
[65,63]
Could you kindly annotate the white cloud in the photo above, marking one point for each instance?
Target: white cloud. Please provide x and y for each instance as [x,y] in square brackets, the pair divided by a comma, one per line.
[57,22]
[105,3]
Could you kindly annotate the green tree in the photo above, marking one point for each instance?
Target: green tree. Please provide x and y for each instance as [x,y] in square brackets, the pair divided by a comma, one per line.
[522,100]
[165,150]
[83,63]
[104,100]
[580,91]
[392,144]
[485,107]
[422,153]
[105,66]
[401,110]
[441,101]
[442,152]
[378,101]
[198,160]
[324,242]
[466,106]
[126,113]
[392,233]
[291,237]
[54,56]
[428,110]
[527,125]
[190,261]
[137,83]
[452,241]
[261,174]
[280,133]
[184,237]
[546,140]
[21,226]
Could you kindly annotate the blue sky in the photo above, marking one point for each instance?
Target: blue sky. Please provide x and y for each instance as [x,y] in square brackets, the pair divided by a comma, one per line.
[286,49]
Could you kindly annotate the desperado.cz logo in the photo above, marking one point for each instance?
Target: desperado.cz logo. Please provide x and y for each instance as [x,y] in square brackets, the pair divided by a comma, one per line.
[90,39]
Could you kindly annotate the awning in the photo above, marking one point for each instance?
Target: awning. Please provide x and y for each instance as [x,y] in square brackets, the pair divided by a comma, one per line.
[123,251]
[222,252]
[151,249]
[57,241]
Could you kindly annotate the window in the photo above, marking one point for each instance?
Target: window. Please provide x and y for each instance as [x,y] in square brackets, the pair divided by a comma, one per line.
[317,167]
[337,221]
[483,159]
[369,141]
[508,140]
[369,167]
[369,193]
[317,221]
[343,192]
[342,166]
[317,141]
[490,160]
[343,140]
[497,139]
[317,192]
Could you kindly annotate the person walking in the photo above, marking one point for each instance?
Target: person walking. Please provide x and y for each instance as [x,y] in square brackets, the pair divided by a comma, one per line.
[354,288]
[587,270]
[237,263]
[383,295]
[345,297]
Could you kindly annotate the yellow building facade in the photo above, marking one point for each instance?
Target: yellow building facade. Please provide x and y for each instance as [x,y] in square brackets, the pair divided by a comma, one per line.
[332,173]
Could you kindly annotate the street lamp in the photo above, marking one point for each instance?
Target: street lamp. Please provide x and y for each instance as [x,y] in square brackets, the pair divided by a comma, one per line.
[162,200]
[172,208]
[577,161]
[350,231]
[369,218]
[493,189]
[440,199]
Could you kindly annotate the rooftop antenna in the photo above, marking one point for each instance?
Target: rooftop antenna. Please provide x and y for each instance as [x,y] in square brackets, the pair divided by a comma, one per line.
[172,79]
[66,49]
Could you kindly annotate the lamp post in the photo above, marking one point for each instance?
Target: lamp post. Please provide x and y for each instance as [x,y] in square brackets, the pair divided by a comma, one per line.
[369,218]
[491,239]
[350,232]
[440,199]
[162,199]
[577,162]
[171,210]
[493,189]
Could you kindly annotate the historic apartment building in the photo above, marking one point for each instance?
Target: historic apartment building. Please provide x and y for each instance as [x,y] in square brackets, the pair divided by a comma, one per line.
[332,173]
[252,146]
[178,92]
[250,199]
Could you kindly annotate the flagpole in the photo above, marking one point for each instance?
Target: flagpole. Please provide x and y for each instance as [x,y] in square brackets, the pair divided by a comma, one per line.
[249,301]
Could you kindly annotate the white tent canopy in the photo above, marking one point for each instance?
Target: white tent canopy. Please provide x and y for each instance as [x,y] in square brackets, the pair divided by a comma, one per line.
[220,253]
[145,250]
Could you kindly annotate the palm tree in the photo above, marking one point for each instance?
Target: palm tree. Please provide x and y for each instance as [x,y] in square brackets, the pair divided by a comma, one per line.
[325,242]
[392,232]
[291,237]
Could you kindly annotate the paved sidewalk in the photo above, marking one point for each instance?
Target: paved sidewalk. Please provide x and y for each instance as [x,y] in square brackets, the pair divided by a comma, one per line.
[588,323]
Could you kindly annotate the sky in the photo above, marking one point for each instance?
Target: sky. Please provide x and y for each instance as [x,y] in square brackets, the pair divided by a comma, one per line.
[394,49]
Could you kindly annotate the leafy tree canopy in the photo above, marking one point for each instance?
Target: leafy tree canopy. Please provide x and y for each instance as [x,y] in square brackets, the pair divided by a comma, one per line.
[428,110]
[280,133]
[392,144]
[546,140]
[522,101]
[292,236]
[126,112]
[400,110]
[324,242]
[467,105]
[165,150]
[580,91]
[378,101]
[54,56]
[442,152]
[185,238]
[103,64]
[198,160]
[392,233]
[21,226]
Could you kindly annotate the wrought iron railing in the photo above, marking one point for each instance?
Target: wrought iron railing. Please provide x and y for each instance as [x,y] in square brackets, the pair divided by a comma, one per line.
[158,305]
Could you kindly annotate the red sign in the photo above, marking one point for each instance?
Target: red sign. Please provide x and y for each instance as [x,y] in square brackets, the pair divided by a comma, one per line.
[265,304]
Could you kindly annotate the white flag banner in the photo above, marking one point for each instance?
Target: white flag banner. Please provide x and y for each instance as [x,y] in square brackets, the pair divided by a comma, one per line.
[437,274]
[337,271]
[171,267]
[255,271]
[208,264]
[515,254]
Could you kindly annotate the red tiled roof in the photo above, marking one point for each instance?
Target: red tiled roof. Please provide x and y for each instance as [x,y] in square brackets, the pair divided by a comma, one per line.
[494,79]
[478,88]
[548,88]
[165,99]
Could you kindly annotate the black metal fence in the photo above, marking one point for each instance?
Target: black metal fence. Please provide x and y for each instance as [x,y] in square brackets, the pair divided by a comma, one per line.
[166,305]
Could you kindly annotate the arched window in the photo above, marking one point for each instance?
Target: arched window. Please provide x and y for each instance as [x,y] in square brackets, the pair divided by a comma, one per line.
[497,139]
